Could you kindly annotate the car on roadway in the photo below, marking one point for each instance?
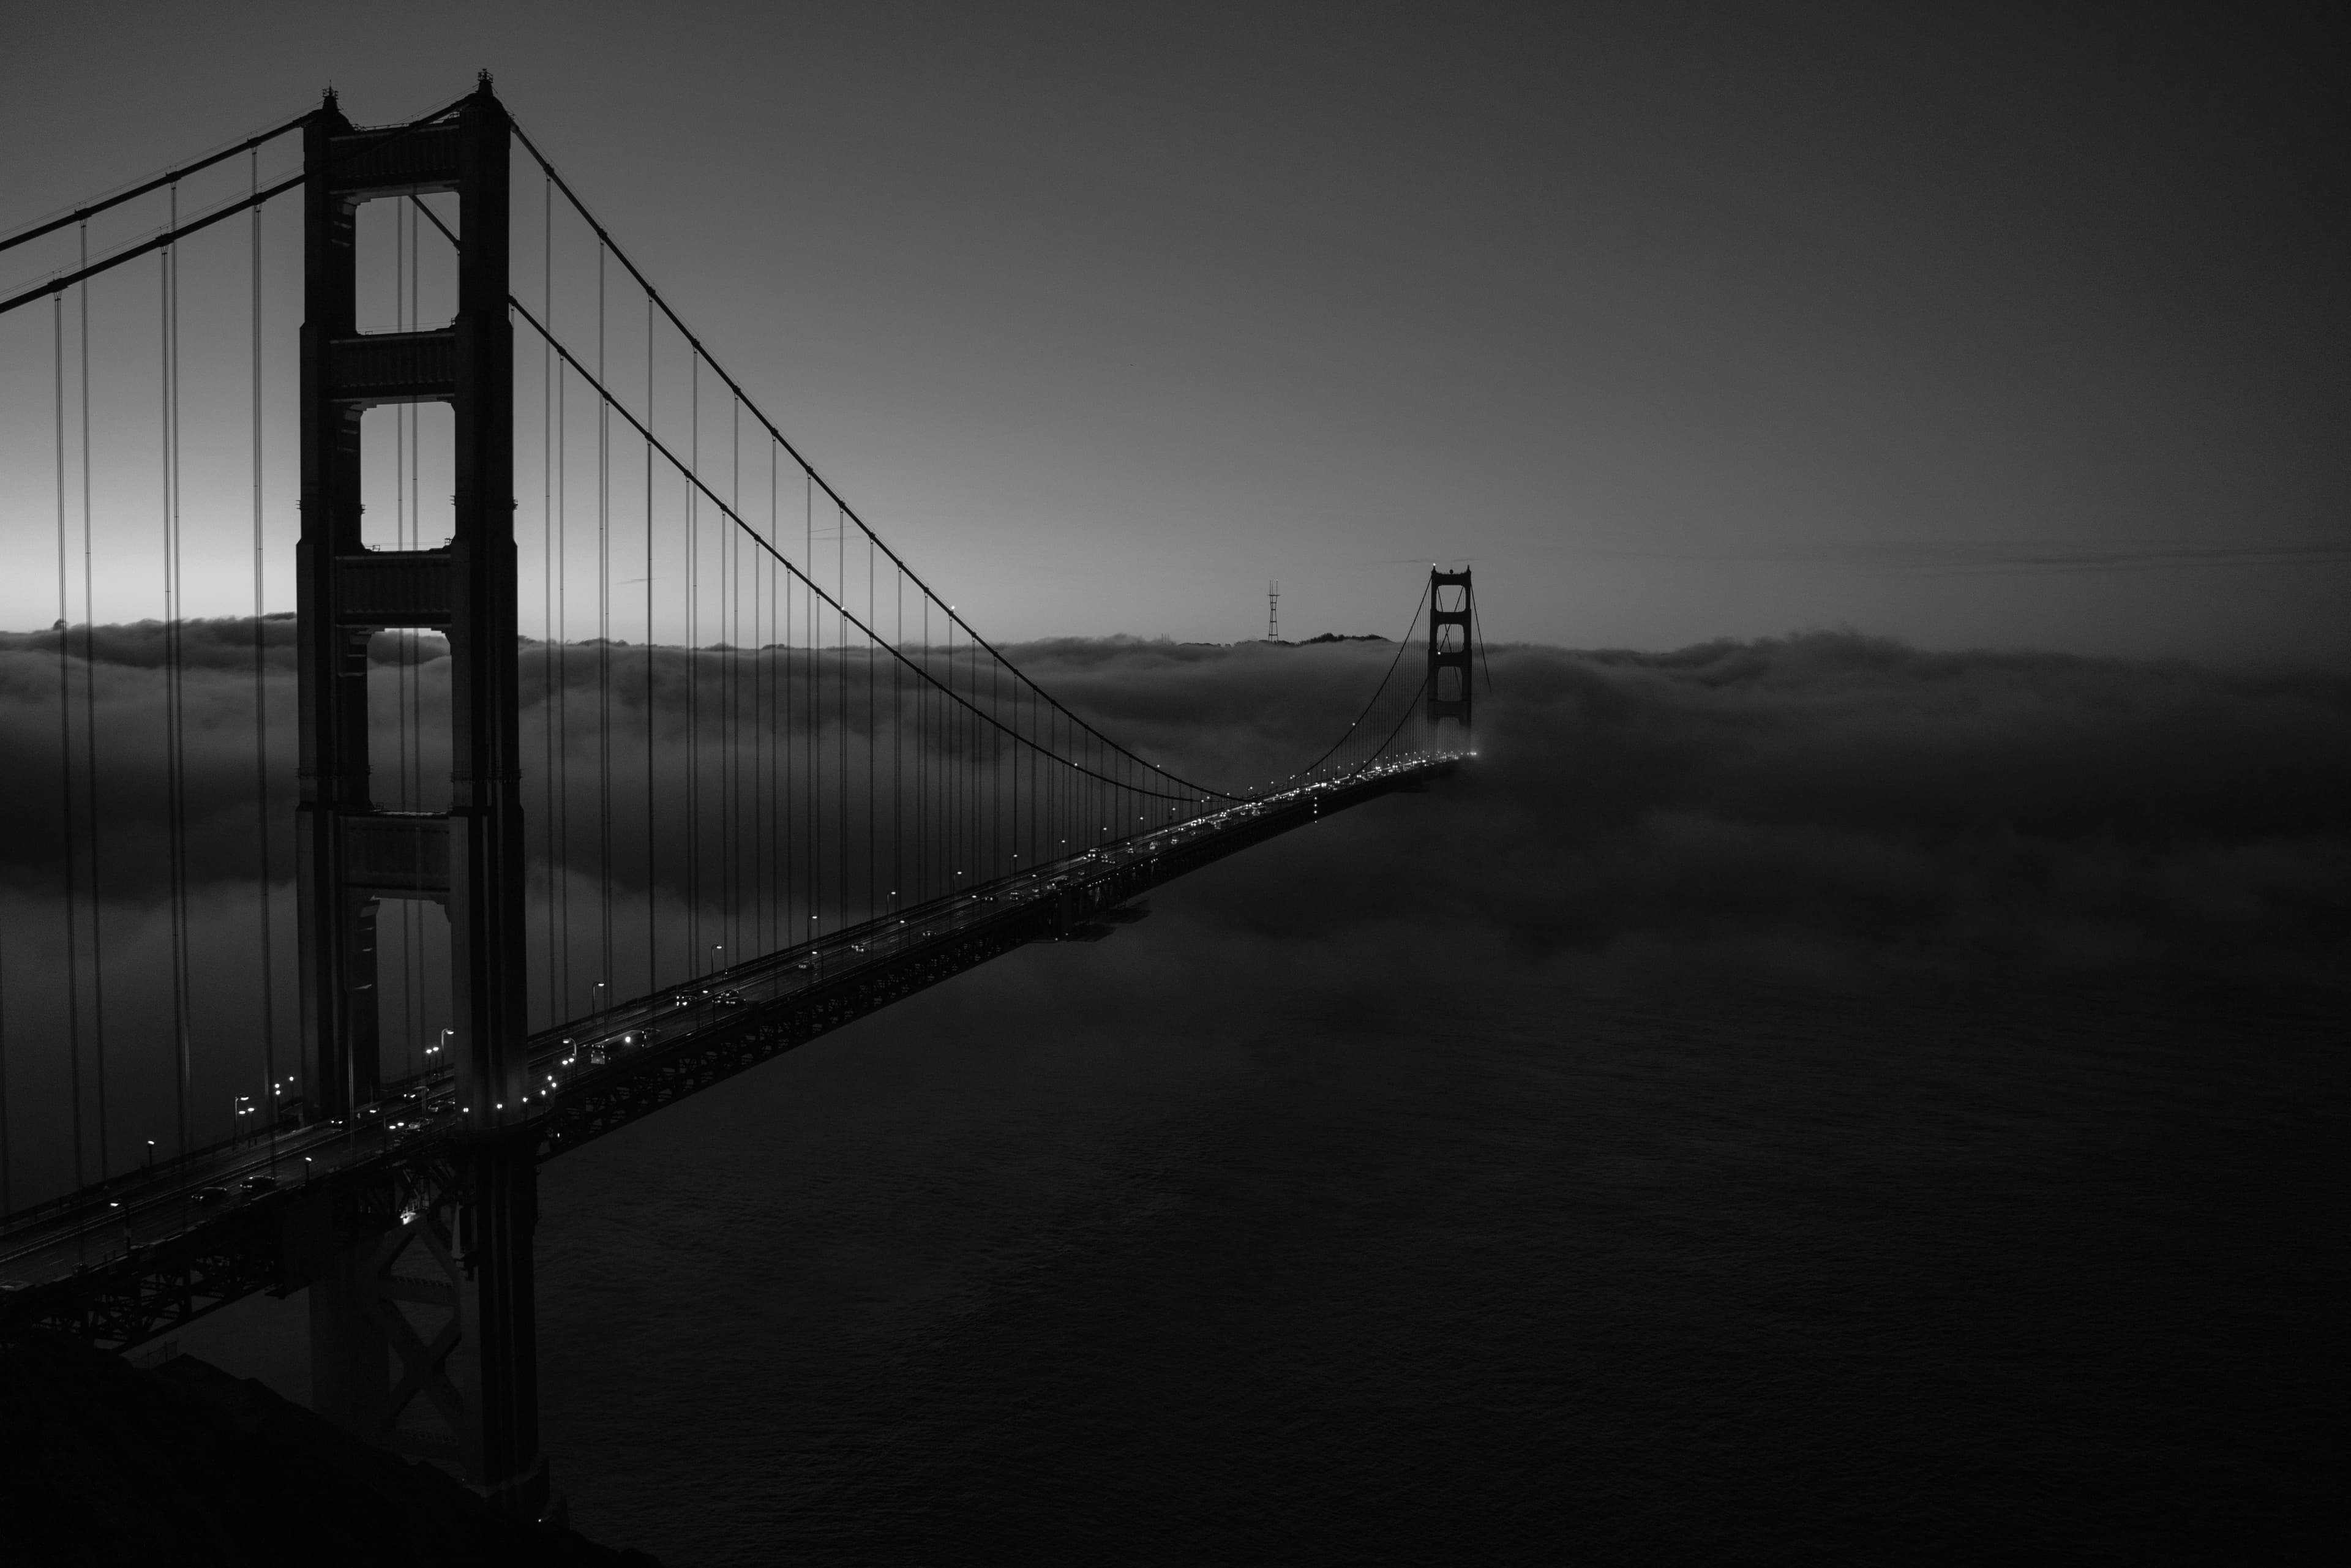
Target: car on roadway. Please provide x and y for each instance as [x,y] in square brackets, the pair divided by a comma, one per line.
[598,1052]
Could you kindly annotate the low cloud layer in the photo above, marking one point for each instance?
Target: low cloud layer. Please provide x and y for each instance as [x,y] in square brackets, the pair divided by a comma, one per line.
[1834,795]
[1824,805]
[1824,788]
[1843,792]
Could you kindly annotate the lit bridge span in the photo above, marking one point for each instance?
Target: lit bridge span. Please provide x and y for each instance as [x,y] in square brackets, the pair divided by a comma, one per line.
[499,815]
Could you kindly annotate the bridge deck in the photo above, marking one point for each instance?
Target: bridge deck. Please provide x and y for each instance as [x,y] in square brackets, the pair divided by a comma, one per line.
[119,1264]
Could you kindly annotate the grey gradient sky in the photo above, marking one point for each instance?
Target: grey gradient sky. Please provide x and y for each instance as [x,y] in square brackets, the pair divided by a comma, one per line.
[1968,325]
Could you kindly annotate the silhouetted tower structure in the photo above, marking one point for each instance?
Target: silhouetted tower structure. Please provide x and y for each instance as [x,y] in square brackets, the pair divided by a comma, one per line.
[1449,609]
[1273,613]
[473,1380]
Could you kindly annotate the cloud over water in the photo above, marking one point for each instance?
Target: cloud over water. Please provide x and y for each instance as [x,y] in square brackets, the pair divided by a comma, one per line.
[1813,808]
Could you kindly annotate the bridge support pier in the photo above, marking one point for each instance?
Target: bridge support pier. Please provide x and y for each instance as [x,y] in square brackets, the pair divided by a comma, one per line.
[500,1318]
[433,1318]
[424,1336]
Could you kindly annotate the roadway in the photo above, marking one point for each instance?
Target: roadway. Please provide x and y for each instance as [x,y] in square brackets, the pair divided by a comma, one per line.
[138,1210]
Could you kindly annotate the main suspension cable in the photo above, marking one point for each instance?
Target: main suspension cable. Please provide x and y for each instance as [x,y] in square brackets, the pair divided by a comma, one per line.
[605,238]
[178,231]
[702,355]
[172,177]
[833,605]
[1401,644]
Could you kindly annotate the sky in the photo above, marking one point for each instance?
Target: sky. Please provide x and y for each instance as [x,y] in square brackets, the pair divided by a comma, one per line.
[1971,326]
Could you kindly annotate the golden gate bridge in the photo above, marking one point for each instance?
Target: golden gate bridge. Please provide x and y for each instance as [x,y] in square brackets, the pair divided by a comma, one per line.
[544,880]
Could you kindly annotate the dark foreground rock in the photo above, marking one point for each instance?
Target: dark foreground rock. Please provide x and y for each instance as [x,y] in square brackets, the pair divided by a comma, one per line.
[101,1462]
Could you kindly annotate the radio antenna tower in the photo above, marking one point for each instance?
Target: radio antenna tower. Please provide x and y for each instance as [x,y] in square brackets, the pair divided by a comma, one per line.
[1273,613]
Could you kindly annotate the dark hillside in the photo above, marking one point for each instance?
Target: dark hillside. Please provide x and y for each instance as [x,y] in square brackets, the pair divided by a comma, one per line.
[102,1462]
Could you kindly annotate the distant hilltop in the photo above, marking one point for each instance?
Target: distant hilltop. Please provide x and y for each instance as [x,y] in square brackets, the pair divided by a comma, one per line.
[1326,637]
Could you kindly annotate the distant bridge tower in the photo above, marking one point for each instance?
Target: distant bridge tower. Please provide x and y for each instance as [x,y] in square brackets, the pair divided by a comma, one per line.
[1449,609]
[1273,613]
[468,1385]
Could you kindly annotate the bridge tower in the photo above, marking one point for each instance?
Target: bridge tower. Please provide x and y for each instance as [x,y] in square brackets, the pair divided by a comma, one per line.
[466,1389]
[1449,609]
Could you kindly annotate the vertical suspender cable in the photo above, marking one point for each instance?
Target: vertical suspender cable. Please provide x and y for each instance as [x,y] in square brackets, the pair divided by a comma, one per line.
[604,646]
[872,905]
[729,786]
[898,740]
[558,694]
[770,806]
[725,886]
[560,783]
[65,756]
[795,928]
[694,682]
[740,939]
[764,801]
[926,834]
[995,781]
[269,1098]
[652,880]
[763,703]
[7,1165]
[90,732]
[999,785]
[1023,776]
[975,779]
[755,748]
[547,655]
[815,714]
[916,887]
[751,741]
[958,774]
[1478,626]
[951,766]
[841,697]
[724,922]
[747,688]
[778,737]
[1033,831]
[174,619]
[951,779]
